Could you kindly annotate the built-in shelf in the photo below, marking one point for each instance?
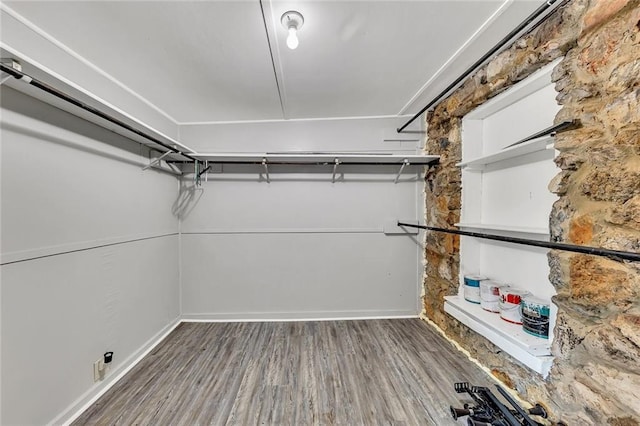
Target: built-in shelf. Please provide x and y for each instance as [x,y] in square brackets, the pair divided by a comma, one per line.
[534,145]
[508,147]
[534,352]
[505,228]
[318,158]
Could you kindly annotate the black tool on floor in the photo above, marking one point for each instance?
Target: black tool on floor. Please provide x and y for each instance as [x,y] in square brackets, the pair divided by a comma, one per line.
[489,411]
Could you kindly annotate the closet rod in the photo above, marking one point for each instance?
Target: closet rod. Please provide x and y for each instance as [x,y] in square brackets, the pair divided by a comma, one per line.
[553,130]
[321,163]
[536,14]
[596,251]
[18,75]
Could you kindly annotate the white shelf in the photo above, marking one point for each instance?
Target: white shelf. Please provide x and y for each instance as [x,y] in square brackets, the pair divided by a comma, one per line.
[314,158]
[534,352]
[506,228]
[534,145]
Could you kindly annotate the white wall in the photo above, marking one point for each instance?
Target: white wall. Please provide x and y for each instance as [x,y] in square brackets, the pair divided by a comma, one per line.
[300,246]
[335,135]
[89,256]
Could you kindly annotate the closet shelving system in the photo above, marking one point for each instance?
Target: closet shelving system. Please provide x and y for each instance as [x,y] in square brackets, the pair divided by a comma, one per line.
[172,152]
[335,160]
[504,180]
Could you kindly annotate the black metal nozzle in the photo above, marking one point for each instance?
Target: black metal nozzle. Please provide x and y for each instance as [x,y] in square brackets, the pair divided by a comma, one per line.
[538,410]
[458,412]
[461,387]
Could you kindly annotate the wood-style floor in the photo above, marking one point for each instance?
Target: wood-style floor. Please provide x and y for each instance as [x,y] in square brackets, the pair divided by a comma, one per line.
[378,372]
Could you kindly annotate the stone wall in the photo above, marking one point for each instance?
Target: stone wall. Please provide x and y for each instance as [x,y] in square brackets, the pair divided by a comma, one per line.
[596,374]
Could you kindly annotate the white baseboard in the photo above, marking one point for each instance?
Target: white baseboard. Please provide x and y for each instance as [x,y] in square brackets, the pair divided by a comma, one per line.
[297,316]
[92,395]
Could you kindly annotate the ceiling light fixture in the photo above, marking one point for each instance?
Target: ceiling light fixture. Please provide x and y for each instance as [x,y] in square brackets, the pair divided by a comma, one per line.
[292,21]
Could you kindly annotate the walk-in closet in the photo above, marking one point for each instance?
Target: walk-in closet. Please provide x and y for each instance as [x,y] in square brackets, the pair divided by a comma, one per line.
[274,212]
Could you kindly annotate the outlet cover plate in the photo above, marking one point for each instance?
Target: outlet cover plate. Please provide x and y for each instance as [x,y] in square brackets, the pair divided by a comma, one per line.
[98,370]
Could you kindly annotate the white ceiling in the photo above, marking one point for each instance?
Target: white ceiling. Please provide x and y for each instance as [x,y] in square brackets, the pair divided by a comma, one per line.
[210,61]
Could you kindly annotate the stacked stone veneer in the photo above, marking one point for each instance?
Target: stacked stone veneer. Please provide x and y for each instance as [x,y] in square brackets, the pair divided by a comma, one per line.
[596,375]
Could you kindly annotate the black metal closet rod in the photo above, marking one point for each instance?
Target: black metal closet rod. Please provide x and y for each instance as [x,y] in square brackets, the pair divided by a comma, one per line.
[553,130]
[596,251]
[322,163]
[536,13]
[18,75]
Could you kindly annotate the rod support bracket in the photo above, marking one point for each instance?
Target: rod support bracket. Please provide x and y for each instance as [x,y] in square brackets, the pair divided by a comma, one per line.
[336,163]
[205,170]
[13,63]
[265,164]
[196,174]
[405,163]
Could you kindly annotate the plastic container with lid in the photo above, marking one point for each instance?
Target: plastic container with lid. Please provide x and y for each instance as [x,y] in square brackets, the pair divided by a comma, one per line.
[535,316]
[490,295]
[510,298]
[472,288]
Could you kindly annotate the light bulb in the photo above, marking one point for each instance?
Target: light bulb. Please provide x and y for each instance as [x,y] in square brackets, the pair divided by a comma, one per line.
[292,39]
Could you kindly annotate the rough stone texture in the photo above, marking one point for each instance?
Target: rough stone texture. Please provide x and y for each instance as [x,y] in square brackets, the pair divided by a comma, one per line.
[627,214]
[604,184]
[596,375]
[629,326]
[581,230]
[600,284]
[601,11]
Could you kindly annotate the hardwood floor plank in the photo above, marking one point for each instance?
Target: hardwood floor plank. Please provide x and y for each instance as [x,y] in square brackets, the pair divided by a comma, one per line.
[377,372]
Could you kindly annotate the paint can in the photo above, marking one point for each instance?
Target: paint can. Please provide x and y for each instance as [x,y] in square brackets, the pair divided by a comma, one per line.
[472,288]
[535,316]
[510,299]
[490,295]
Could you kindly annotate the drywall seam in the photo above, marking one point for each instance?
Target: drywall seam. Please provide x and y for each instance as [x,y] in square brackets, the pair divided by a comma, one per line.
[234,231]
[420,213]
[92,395]
[371,117]
[1,150]
[179,265]
[277,78]
[27,255]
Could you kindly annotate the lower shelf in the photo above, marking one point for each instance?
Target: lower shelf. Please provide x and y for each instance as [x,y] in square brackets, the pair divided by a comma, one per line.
[532,351]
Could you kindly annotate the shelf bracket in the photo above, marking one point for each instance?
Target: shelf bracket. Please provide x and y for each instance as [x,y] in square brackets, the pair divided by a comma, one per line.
[11,63]
[196,176]
[405,163]
[204,172]
[266,169]
[156,161]
[175,169]
[335,169]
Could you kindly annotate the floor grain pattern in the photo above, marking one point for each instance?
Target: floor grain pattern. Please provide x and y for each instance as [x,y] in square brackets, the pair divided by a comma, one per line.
[375,372]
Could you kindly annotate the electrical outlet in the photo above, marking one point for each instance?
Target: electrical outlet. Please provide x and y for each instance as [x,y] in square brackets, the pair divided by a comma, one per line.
[98,370]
